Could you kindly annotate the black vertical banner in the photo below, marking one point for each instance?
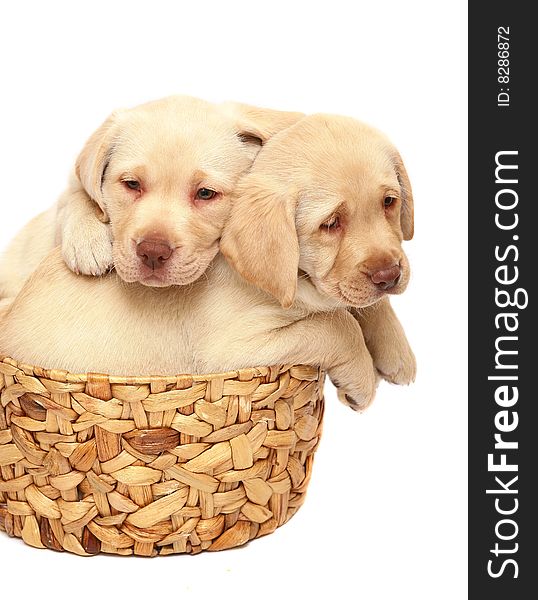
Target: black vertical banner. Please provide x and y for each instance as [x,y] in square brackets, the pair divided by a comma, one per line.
[503,262]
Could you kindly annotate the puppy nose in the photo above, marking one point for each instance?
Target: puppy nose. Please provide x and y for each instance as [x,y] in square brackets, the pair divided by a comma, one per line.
[153,253]
[385,279]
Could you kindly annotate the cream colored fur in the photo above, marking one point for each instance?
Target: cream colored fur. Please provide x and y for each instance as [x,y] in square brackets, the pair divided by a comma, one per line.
[323,168]
[25,252]
[173,146]
[220,322]
[320,167]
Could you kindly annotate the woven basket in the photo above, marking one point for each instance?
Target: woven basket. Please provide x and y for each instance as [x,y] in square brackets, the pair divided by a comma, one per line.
[154,465]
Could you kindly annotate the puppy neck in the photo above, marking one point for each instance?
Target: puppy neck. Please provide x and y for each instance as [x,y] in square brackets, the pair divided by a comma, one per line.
[307,300]
[310,298]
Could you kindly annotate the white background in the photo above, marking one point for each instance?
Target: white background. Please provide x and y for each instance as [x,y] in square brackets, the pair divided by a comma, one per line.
[385,516]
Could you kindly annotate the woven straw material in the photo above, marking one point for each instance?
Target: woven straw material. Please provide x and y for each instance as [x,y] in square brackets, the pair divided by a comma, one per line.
[155,465]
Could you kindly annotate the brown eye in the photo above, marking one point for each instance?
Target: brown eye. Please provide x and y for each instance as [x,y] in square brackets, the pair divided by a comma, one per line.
[331,224]
[205,194]
[389,201]
[132,184]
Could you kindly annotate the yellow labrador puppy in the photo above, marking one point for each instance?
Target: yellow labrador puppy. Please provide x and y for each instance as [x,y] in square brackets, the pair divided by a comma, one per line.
[328,197]
[149,194]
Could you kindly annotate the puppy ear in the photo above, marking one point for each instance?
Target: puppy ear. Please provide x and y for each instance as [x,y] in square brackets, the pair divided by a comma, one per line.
[263,122]
[252,138]
[407,212]
[260,239]
[93,160]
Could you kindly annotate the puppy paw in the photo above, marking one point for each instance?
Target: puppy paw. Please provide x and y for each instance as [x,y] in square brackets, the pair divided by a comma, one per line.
[396,363]
[359,397]
[87,250]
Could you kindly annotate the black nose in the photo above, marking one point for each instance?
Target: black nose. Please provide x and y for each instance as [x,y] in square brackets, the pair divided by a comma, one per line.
[385,279]
[154,253]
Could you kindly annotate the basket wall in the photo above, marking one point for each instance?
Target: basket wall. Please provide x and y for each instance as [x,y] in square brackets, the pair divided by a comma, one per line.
[158,465]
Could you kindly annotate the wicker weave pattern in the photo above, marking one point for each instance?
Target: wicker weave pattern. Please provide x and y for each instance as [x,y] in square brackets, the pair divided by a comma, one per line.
[156,465]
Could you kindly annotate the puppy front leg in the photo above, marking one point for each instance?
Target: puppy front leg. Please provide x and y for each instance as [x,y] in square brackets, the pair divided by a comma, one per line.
[336,343]
[387,343]
[85,239]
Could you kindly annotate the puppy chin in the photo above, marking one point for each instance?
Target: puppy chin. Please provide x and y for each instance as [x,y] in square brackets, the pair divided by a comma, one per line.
[359,298]
[357,293]
[164,278]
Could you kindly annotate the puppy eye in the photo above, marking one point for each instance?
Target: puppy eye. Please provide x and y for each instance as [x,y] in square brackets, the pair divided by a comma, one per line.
[205,194]
[331,224]
[132,184]
[389,201]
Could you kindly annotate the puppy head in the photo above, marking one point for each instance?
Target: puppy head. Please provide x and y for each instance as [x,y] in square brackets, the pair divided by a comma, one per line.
[162,174]
[329,196]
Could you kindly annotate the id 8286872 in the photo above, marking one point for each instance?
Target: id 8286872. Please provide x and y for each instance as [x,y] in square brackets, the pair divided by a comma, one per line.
[503,66]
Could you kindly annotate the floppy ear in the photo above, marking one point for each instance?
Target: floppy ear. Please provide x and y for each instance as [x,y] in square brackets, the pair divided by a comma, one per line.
[252,138]
[260,239]
[407,213]
[93,160]
[266,122]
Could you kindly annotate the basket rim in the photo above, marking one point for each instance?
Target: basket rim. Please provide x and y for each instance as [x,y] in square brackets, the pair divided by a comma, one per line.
[63,376]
